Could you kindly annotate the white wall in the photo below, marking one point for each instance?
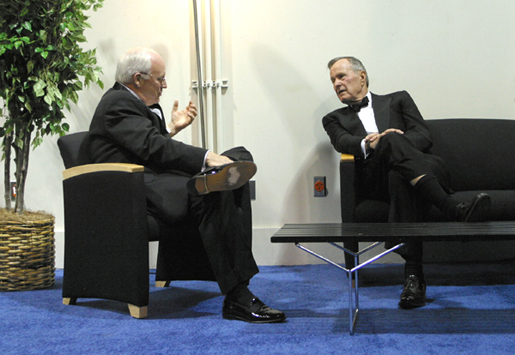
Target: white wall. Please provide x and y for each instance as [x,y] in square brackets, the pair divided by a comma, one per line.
[455,57]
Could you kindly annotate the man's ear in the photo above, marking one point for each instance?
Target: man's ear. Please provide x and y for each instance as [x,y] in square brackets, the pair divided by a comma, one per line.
[363,75]
[136,79]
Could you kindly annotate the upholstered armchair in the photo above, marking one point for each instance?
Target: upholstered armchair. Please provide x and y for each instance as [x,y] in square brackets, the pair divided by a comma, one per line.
[107,231]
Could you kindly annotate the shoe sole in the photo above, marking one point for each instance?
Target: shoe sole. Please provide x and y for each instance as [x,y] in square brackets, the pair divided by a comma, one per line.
[258,321]
[479,209]
[230,177]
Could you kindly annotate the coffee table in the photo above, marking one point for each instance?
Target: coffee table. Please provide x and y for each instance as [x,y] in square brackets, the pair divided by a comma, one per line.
[378,233]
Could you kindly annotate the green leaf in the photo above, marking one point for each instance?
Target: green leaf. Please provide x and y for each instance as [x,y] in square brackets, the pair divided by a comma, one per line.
[27,25]
[55,92]
[74,97]
[44,54]
[37,142]
[70,26]
[18,142]
[30,66]
[39,88]
[48,99]
[43,35]
[80,38]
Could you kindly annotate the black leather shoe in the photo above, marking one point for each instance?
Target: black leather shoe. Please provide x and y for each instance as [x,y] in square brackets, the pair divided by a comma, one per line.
[255,312]
[414,293]
[475,211]
[222,178]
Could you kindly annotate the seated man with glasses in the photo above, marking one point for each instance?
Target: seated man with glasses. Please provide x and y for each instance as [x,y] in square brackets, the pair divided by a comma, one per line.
[183,183]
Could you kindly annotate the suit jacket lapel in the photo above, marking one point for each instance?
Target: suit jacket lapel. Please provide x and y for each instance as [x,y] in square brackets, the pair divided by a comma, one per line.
[350,120]
[381,107]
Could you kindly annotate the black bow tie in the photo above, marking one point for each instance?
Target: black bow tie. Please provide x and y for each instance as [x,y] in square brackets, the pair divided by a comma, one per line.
[359,105]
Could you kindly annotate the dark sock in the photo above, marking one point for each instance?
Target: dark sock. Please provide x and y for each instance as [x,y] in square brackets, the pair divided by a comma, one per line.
[429,187]
[240,294]
[414,268]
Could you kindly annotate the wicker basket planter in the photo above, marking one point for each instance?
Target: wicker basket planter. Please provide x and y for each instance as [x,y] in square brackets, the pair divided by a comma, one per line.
[27,251]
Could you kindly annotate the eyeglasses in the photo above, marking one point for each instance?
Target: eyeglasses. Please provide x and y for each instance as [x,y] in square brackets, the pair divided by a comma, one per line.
[159,80]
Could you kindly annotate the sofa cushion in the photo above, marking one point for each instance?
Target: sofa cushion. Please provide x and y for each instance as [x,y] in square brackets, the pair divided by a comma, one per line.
[503,207]
[477,152]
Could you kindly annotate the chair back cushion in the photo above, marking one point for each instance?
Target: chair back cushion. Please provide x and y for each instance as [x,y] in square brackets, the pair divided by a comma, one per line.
[75,149]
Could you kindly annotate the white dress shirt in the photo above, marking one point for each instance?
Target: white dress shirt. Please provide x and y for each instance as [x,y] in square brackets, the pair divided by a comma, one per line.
[367,118]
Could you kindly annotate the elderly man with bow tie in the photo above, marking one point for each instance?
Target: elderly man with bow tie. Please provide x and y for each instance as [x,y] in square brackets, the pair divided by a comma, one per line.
[390,143]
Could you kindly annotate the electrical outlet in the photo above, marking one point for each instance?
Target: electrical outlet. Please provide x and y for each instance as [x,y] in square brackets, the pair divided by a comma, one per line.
[319,186]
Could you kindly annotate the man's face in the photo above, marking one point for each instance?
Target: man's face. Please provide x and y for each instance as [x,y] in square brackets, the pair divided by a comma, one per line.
[350,86]
[151,84]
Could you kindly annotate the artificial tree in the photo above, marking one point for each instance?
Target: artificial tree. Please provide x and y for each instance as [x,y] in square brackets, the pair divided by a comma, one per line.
[42,67]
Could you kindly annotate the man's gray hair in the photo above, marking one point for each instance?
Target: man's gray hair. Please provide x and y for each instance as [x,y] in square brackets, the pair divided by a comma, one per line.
[136,60]
[355,64]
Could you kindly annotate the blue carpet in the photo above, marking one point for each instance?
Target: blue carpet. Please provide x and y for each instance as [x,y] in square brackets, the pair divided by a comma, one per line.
[471,310]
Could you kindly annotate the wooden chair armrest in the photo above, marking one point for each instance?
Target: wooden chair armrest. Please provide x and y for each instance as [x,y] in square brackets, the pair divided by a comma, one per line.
[92,168]
[347,157]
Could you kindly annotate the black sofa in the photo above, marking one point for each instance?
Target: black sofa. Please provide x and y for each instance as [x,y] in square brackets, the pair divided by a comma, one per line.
[479,154]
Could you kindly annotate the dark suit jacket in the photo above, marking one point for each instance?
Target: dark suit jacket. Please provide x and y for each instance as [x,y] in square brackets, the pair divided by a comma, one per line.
[125,130]
[395,110]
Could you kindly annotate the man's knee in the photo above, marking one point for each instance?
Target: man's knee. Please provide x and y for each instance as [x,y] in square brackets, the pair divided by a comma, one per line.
[393,138]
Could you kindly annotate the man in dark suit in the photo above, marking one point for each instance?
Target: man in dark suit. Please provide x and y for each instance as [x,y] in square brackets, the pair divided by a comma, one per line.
[390,142]
[129,127]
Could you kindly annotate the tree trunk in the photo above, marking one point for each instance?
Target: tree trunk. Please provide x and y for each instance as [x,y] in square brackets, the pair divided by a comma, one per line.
[7,170]
[22,164]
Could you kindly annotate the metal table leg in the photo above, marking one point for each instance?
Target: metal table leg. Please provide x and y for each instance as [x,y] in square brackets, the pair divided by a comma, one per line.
[353,286]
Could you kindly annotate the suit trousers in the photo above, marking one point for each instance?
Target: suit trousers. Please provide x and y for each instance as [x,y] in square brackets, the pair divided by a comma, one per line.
[386,176]
[224,221]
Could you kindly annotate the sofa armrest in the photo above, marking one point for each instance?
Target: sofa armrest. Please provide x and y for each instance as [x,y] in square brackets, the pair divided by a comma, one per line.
[348,200]
[347,191]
